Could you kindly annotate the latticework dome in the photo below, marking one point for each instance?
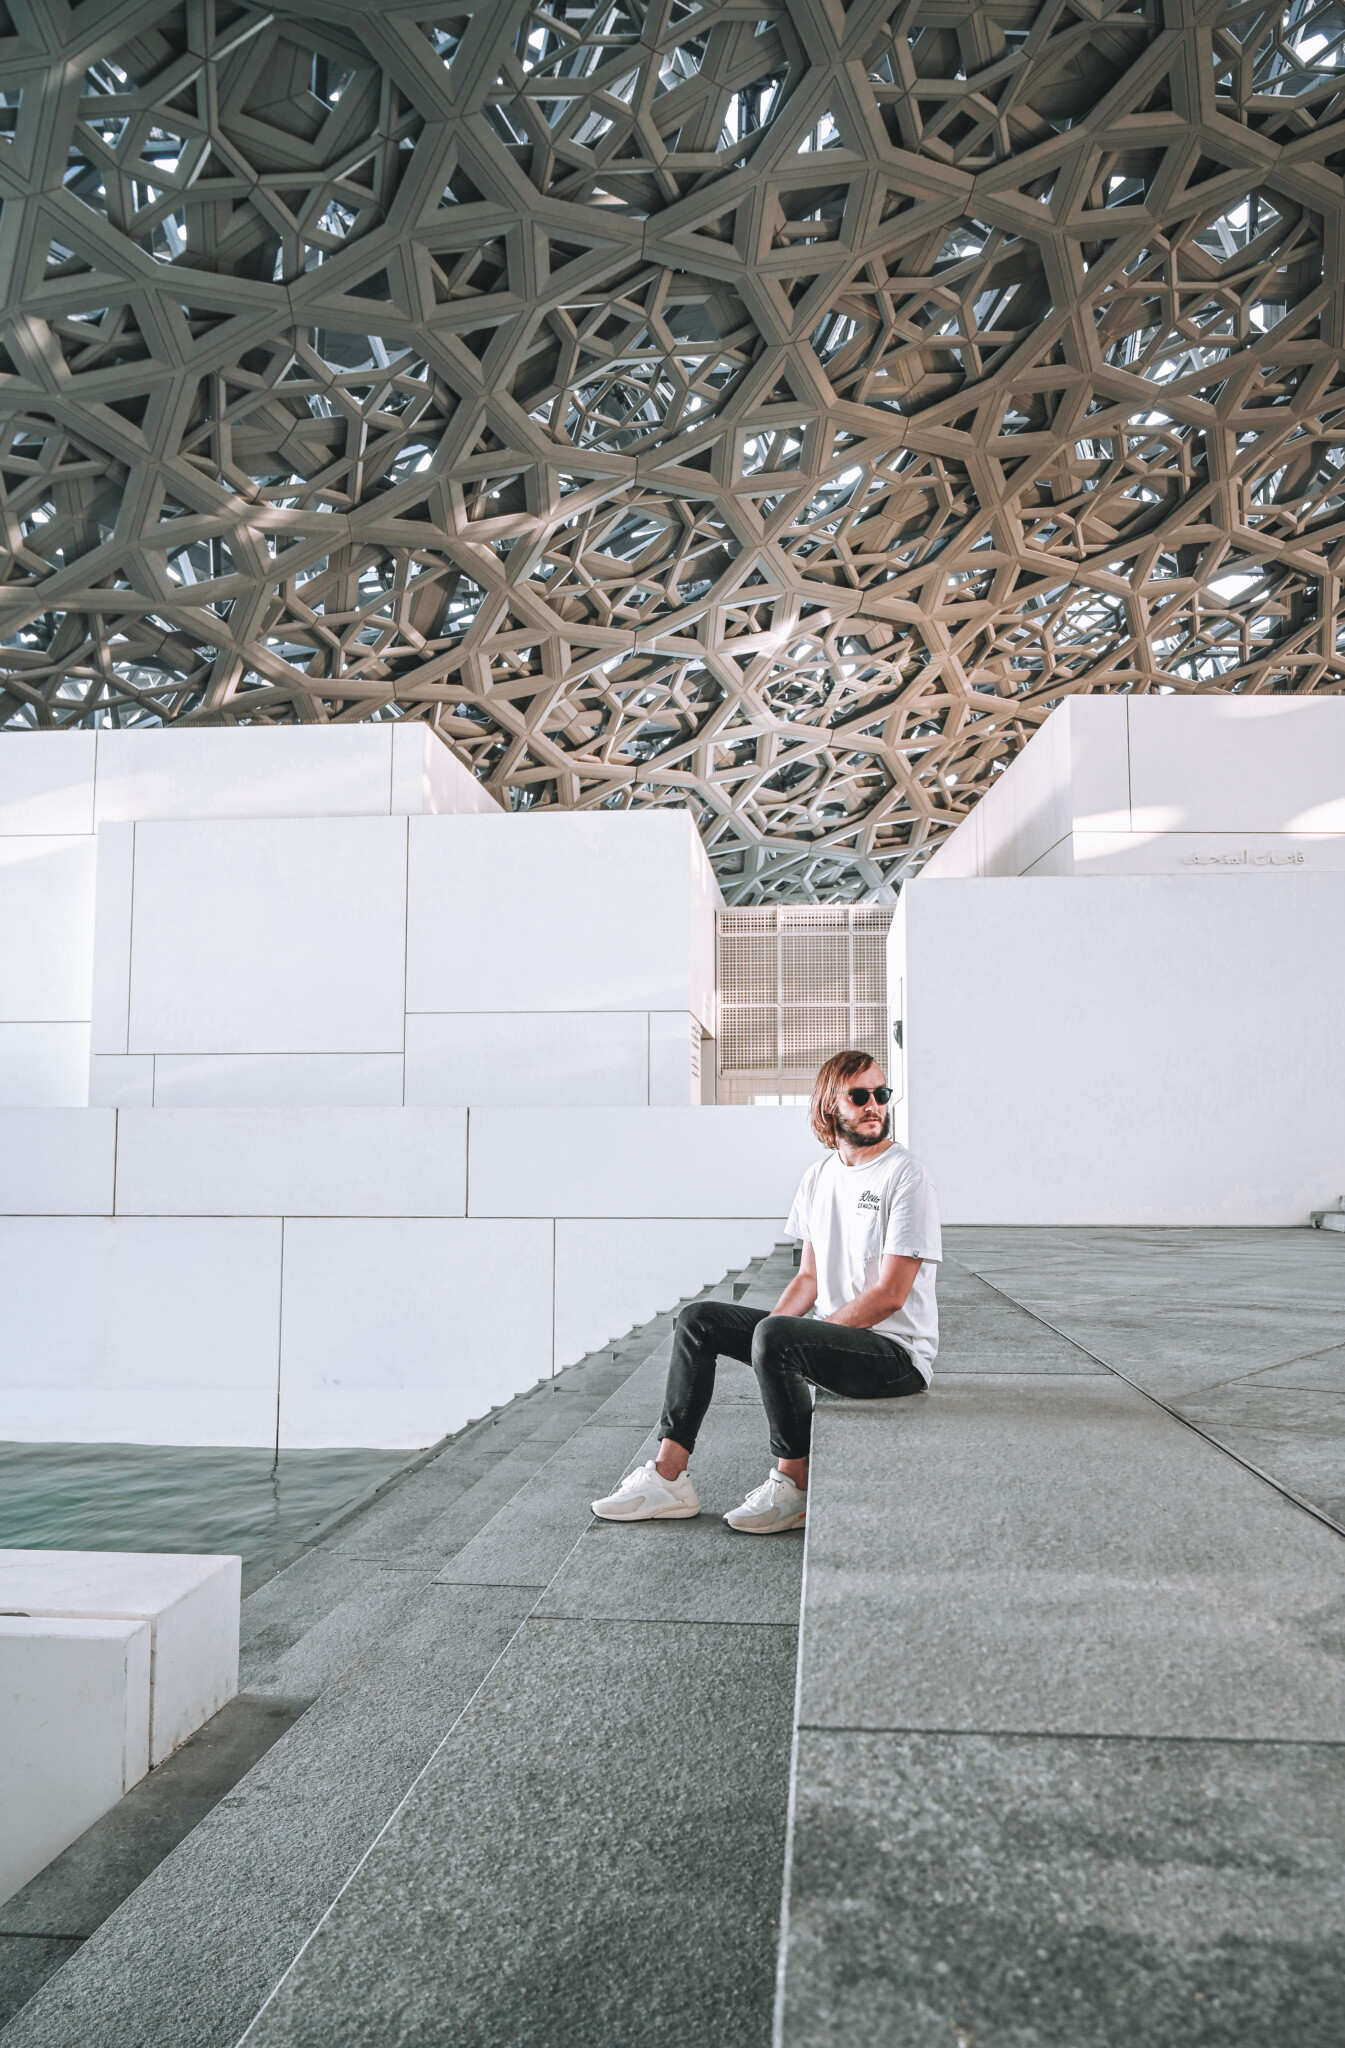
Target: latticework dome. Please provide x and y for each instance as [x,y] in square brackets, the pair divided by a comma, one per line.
[770,408]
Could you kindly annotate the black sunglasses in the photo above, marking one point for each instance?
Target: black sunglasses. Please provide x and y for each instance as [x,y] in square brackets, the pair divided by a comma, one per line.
[859,1096]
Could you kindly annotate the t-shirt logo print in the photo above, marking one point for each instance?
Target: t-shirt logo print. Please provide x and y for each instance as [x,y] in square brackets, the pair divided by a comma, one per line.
[869,1200]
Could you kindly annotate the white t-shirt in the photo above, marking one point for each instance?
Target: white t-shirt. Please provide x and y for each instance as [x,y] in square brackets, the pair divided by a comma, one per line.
[851,1216]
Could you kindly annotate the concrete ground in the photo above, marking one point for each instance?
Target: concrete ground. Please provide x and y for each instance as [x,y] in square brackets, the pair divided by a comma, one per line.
[1071,1720]
[543,1765]
[1069,1726]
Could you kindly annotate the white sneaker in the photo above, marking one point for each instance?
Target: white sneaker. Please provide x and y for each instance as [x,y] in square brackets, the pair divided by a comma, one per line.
[776,1504]
[646,1496]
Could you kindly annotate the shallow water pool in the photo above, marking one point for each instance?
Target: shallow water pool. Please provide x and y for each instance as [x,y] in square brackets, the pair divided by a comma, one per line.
[162,1497]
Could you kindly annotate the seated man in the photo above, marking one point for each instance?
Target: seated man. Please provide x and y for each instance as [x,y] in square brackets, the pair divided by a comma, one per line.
[870,1229]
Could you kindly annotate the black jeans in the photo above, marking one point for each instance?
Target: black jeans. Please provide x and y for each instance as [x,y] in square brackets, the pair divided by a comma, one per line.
[785,1352]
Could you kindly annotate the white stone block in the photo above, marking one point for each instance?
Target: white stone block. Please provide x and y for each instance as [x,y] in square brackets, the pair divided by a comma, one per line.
[74,1732]
[428,777]
[57,1162]
[282,1080]
[44,1066]
[46,781]
[557,1057]
[191,1604]
[156,1330]
[121,1080]
[674,1065]
[269,936]
[1238,764]
[292,1162]
[637,1162]
[46,928]
[1170,1033]
[613,1274]
[114,893]
[397,1333]
[551,911]
[1220,855]
[290,771]
[1092,771]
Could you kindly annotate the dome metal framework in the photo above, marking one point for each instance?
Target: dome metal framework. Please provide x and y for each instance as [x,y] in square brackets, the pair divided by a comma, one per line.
[771,407]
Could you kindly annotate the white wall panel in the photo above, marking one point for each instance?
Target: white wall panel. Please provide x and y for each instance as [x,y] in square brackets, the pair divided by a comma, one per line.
[283,1080]
[398,1333]
[46,781]
[1169,1059]
[44,1066]
[74,1732]
[283,771]
[296,1162]
[653,1162]
[614,1274]
[1238,764]
[57,1162]
[550,911]
[46,928]
[161,1330]
[428,777]
[114,896]
[121,1081]
[269,936]
[1229,855]
[706,899]
[672,1080]
[559,1057]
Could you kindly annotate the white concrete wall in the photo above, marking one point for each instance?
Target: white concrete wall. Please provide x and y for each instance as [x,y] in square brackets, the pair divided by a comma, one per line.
[59,790]
[359,1276]
[74,1732]
[1164,785]
[368,961]
[1142,1050]
[339,916]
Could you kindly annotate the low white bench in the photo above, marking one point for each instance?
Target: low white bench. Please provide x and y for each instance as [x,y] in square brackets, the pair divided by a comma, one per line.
[108,1660]
[74,1731]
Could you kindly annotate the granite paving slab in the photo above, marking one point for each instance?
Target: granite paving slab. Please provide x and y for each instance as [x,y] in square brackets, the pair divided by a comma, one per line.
[524,1546]
[188,1957]
[191,1954]
[600,1839]
[1295,1434]
[1317,1372]
[1014,1892]
[980,1331]
[1015,1552]
[26,1962]
[1049,1634]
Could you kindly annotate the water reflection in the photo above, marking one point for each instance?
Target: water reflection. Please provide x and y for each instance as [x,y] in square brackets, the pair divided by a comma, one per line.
[163,1497]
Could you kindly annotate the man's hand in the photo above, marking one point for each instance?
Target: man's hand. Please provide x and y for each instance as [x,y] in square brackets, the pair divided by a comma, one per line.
[896,1277]
[801,1293]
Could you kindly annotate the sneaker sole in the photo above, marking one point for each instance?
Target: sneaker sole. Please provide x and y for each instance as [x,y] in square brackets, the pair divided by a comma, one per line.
[654,1515]
[772,1529]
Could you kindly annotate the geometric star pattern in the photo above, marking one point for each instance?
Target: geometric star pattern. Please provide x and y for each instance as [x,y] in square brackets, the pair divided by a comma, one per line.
[766,407]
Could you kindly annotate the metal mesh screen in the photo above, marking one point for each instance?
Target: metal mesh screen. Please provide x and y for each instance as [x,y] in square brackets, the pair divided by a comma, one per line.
[796,984]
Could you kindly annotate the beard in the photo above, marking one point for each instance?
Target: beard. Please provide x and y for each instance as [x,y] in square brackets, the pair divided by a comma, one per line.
[863,1139]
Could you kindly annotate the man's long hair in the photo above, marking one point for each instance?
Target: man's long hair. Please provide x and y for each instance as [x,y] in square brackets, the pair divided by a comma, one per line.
[831,1078]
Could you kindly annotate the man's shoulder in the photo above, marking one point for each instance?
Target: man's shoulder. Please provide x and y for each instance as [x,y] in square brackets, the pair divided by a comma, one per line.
[904,1166]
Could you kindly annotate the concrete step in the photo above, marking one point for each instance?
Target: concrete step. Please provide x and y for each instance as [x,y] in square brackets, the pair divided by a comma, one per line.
[420,1628]
[1069,1765]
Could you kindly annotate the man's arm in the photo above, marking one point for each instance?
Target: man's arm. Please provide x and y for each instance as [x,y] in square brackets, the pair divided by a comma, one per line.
[896,1277]
[801,1293]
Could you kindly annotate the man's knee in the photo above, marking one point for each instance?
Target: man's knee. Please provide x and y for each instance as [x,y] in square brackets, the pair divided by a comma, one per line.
[771,1339]
[700,1320]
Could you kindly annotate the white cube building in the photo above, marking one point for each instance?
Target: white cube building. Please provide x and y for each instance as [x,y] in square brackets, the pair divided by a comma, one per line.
[1118,981]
